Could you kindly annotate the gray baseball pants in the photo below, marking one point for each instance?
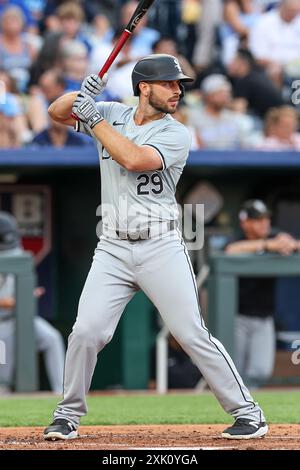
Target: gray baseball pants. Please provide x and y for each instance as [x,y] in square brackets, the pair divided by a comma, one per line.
[162,269]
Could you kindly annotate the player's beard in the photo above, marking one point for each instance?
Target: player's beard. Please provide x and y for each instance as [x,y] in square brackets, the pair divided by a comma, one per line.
[159,105]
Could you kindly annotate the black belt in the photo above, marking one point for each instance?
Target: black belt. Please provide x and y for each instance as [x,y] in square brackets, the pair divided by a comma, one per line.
[146,233]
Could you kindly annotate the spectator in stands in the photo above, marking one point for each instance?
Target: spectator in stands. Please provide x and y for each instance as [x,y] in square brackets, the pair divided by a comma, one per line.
[275,40]
[252,85]
[166,45]
[16,54]
[9,132]
[181,115]
[209,20]
[49,56]
[216,125]
[59,136]
[190,14]
[71,18]
[17,102]
[51,86]
[166,17]
[240,16]
[281,126]
[93,9]
[74,64]
[29,21]
[255,331]
[48,339]
[144,37]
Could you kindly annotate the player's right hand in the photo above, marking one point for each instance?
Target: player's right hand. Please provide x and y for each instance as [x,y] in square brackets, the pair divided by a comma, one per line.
[93,85]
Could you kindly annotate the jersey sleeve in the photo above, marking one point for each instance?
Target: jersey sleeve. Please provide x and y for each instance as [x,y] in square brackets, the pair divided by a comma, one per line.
[105,109]
[172,144]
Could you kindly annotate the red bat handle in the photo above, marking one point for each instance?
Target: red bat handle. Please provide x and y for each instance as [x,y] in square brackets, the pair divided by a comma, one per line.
[121,41]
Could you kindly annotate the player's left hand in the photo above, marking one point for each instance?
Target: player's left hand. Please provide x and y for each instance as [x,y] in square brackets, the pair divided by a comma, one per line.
[93,85]
[86,110]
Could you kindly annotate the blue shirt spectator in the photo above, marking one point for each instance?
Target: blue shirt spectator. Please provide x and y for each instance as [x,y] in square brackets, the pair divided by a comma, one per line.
[10,106]
[67,137]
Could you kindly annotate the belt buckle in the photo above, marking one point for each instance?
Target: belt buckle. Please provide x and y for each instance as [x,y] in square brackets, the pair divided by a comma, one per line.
[143,235]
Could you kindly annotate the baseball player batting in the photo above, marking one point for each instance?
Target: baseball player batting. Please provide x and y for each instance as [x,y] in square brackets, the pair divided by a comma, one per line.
[143,151]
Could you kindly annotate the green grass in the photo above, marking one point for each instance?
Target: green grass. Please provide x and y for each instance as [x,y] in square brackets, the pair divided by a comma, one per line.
[279,407]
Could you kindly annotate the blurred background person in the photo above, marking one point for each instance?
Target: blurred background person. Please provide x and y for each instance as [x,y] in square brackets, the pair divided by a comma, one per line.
[74,64]
[58,136]
[275,41]
[16,52]
[9,132]
[218,126]
[281,129]
[255,339]
[18,103]
[71,19]
[240,16]
[205,49]
[48,339]
[252,85]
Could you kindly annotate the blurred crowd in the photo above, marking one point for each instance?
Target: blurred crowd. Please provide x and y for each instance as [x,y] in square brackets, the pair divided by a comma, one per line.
[243,54]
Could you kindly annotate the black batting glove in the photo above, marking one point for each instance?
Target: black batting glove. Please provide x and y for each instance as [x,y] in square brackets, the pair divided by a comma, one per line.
[86,110]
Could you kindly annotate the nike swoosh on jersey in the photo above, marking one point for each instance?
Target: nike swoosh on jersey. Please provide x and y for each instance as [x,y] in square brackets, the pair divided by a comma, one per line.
[116,123]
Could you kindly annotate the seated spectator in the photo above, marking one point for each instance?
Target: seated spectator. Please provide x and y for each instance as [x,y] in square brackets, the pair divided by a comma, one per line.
[190,14]
[16,54]
[255,331]
[71,18]
[20,115]
[181,115]
[240,16]
[94,10]
[48,339]
[59,136]
[29,20]
[209,20]
[49,57]
[74,64]
[252,85]
[281,126]
[9,132]
[217,126]
[143,37]
[275,40]
[51,86]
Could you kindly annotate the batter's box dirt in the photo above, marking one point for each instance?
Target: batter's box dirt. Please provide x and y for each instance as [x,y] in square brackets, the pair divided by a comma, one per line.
[280,436]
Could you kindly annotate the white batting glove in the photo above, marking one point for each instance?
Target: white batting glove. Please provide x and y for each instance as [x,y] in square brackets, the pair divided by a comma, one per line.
[93,85]
[85,109]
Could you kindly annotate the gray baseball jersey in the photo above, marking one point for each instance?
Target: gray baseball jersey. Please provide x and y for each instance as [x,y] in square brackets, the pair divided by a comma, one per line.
[158,265]
[132,200]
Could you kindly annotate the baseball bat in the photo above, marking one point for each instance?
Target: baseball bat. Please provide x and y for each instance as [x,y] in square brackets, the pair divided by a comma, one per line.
[139,13]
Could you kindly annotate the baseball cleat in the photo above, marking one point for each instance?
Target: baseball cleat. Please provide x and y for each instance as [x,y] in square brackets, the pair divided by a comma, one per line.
[245,429]
[60,429]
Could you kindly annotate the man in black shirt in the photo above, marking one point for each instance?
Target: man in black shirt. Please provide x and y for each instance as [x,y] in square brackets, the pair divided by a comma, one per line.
[255,332]
[252,84]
